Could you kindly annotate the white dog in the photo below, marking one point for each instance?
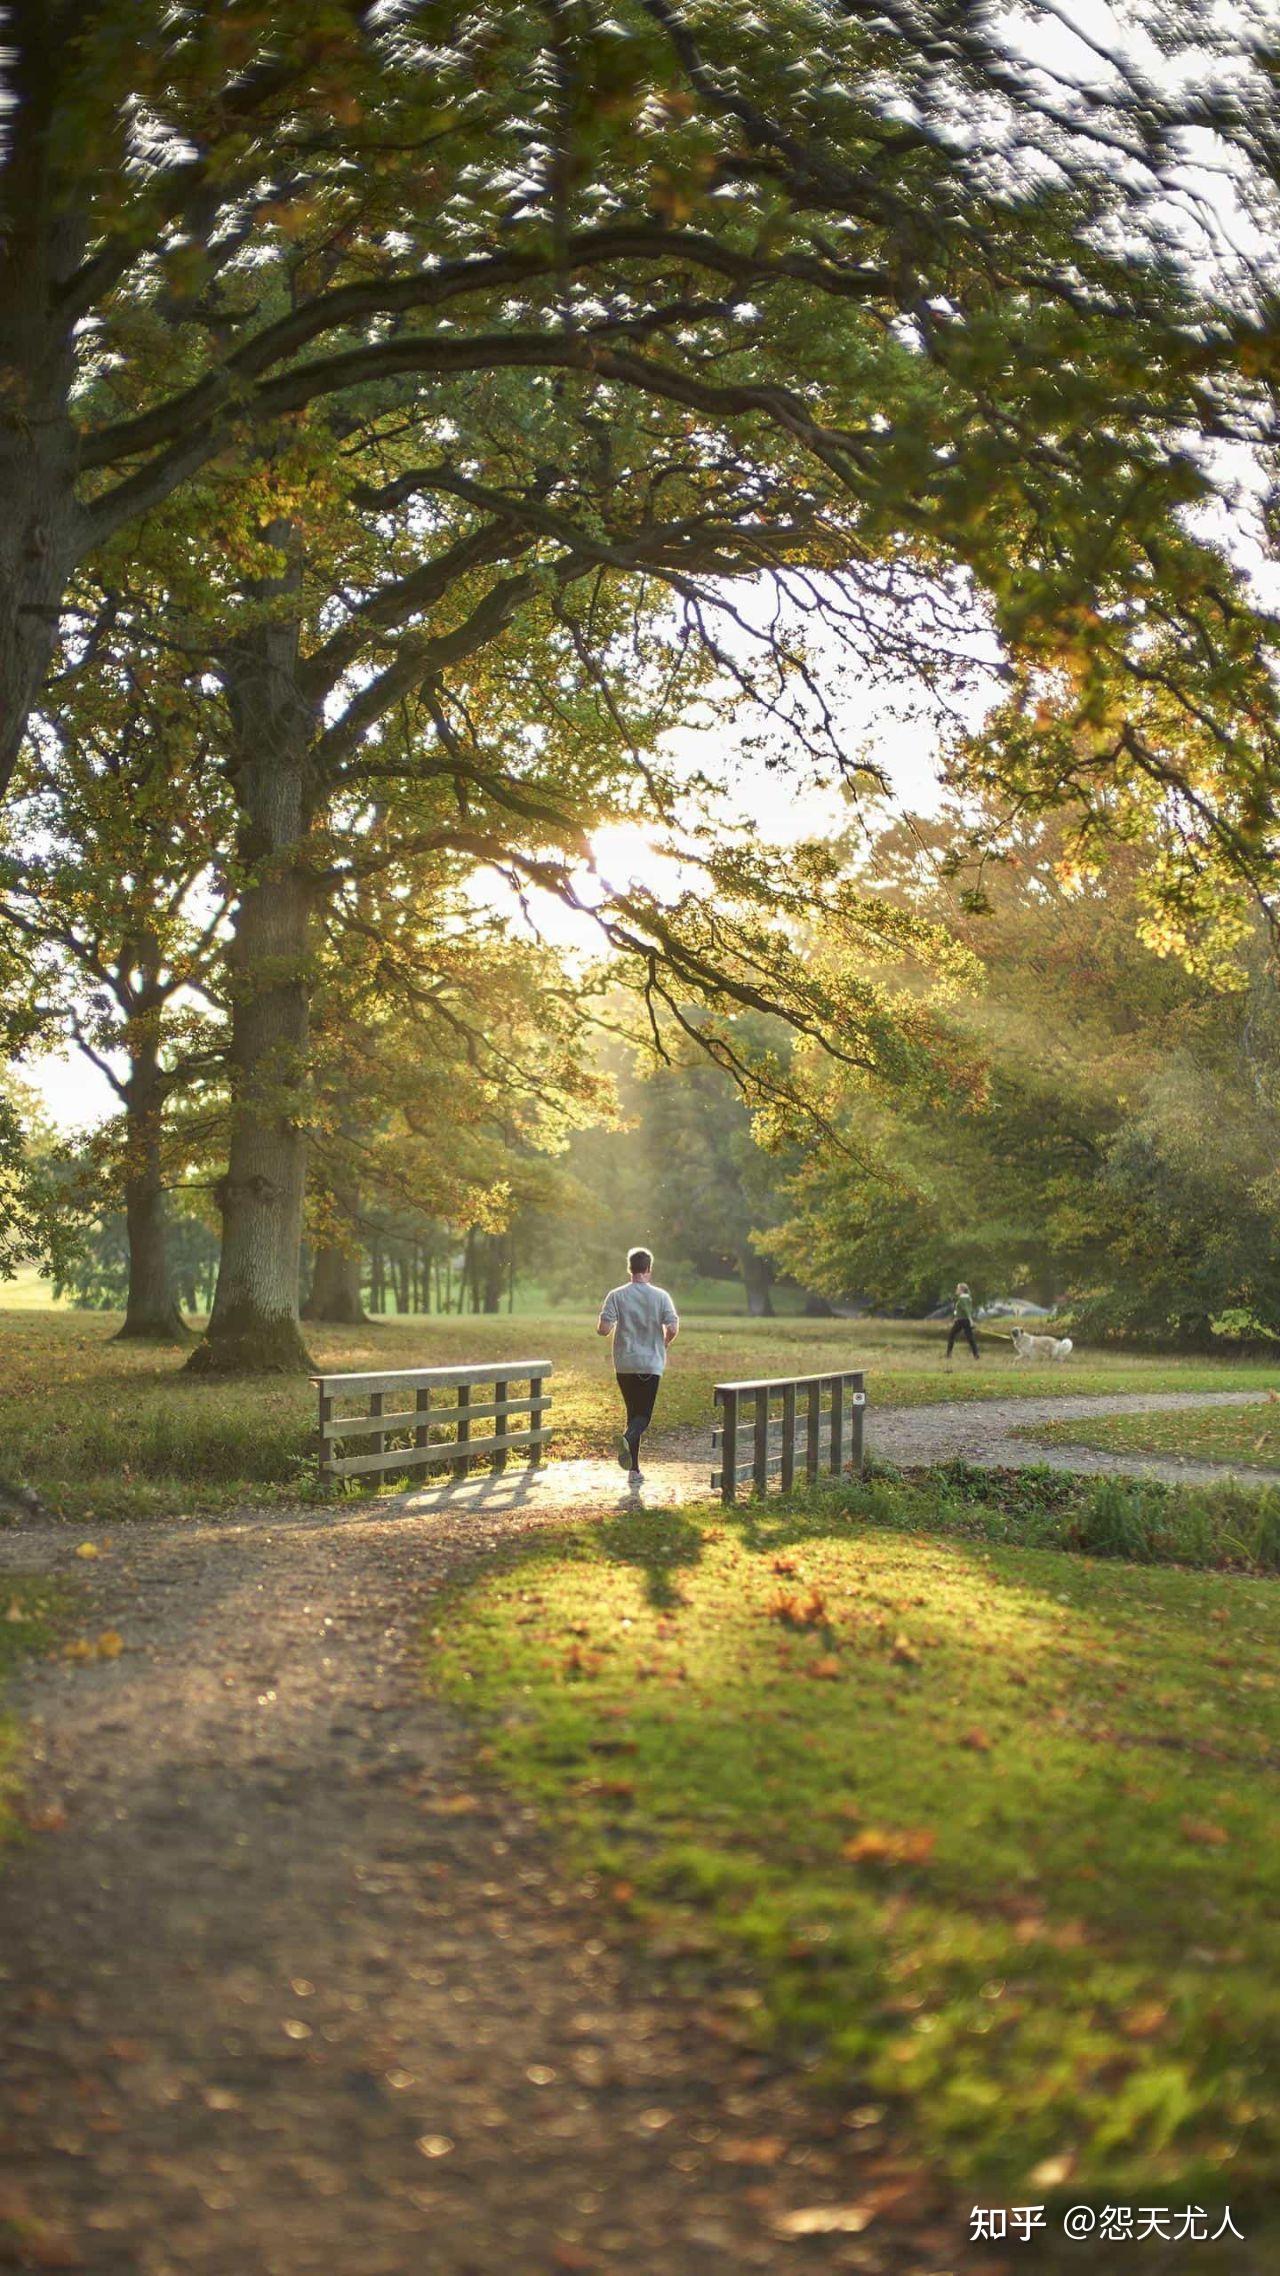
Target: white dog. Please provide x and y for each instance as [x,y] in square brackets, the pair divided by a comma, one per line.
[1041,1347]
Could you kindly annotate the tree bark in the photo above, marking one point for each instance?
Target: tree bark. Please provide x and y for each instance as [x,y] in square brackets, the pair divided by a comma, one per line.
[336,1292]
[339,1261]
[756,1279]
[152,1309]
[254,1324]
[41,243]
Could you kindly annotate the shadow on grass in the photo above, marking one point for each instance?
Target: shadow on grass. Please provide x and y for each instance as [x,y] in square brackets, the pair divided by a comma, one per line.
[660,1542]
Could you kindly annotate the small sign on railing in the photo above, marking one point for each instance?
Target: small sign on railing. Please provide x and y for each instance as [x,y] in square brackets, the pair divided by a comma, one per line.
[430,1423]
[788,1426]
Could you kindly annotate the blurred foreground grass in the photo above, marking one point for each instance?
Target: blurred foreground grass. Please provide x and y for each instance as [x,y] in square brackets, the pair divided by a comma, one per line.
[27,1608]
[982,1832]
[114,1430]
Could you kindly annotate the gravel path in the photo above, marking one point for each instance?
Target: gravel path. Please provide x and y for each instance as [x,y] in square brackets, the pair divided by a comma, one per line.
[286,1989]
[982,1432]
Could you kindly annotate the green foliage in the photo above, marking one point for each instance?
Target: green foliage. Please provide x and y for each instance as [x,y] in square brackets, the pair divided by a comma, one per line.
[96,1274]
[33,1224]
[1111,1133]
[29,1610]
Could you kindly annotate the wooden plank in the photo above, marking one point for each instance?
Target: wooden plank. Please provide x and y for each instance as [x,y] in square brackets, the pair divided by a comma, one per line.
[326,1409]
[837,1427]
[775,1382]
[443,1456]
[729,1482]
[410,1418]
[859,1407]
[375,1412]
[407,1378]
[535,1394]
[463,1439]
[422,1408]
[788,1437]
[813,1431]
[760,1466]
[500,1452]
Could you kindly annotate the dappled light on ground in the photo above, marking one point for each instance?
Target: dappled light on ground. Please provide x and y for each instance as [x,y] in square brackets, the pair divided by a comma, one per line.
[937,1796]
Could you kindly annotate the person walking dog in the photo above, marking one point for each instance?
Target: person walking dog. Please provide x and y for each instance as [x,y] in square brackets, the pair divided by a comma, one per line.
[644,1324]
[962,1324]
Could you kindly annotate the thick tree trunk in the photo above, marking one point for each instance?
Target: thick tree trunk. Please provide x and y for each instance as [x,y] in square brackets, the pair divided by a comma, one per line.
[339,1262]
[41,244]
[817,1307]
[336,1288]
[495,1271]
[756,1279]
[254,1324]
[152,1309]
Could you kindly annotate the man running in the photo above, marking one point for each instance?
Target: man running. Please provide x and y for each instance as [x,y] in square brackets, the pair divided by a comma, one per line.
[962,1324]
[644,1324]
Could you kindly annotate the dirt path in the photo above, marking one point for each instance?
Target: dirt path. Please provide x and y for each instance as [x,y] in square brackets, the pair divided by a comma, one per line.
[286,1989]
[982,1432]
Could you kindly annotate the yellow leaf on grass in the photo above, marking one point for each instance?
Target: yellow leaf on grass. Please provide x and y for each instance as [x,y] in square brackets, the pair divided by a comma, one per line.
[88,1549]
[16,1611]
[878,1846]
[110,1644]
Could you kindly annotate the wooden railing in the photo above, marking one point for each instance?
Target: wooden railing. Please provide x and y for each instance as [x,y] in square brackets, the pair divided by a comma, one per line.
[816,1430]
[427,1402]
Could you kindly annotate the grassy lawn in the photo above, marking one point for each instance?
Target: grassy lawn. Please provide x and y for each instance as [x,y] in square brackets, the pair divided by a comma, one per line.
[986,1831]
[1249,1435]
[110,1430]
[26,1612]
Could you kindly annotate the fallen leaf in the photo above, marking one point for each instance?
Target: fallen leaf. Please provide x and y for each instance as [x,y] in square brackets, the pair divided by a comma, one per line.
[796,1611]
[759,2149]
[877,1846]
[904,1652]
[977,1741]
[1204,1832]
[826,1669]
[16,1611]
[88,1549]
[1052,2172]
[1145,2019]
[51,1819]
[825,2220]
[110,1644]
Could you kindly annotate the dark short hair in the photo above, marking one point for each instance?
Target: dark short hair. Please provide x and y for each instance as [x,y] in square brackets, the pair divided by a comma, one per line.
[639,1260]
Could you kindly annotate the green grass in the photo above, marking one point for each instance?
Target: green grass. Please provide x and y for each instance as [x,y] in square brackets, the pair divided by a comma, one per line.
[1220,1527]
[110,1430]
[27,1609]
[28,1290]
[984,1829]
[1248,1435]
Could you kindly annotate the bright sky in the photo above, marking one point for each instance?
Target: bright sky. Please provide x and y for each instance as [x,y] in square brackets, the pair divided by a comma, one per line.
[784,808]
